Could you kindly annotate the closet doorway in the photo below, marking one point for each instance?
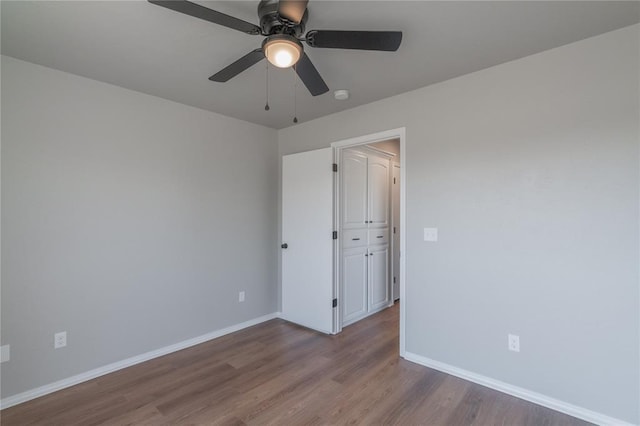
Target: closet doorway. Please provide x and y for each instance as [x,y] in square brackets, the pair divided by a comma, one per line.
[325,248]
[369,217]
[367,189]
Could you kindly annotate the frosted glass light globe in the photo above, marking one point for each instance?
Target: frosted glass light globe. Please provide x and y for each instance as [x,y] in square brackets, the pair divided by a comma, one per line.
[283,59]
[282,51]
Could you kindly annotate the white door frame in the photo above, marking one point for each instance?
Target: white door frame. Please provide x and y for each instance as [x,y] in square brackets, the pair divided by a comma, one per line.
[399,133]
[395,272]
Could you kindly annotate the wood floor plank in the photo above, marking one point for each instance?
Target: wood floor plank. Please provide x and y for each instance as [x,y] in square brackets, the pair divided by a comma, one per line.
[438,407]
[363,397]
[277,373]
[400,409]
[147,414]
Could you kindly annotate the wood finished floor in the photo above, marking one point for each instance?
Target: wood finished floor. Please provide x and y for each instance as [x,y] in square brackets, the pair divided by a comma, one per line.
[281,374]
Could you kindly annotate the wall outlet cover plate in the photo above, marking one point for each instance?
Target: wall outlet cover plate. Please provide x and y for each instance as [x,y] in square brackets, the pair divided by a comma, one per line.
[5,353]
[431,234]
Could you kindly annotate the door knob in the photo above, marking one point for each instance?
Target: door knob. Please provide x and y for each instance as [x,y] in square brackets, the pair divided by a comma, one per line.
[284,246]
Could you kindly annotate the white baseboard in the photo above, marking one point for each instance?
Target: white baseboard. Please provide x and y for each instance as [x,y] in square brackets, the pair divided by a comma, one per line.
[101,371]
[527,395]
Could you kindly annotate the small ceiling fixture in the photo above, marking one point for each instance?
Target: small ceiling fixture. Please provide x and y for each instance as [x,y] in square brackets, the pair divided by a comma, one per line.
[282,50]
[341,95]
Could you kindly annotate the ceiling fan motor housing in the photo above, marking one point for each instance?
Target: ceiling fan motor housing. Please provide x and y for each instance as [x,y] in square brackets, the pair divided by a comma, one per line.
[272,23]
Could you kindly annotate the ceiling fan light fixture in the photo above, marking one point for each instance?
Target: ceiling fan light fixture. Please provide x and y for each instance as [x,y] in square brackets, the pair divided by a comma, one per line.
[283,24]
[281,50]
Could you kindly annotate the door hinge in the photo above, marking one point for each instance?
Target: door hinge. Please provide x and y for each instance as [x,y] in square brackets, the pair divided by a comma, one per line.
[334,303]
[394,280]
[335,235]
[394,181]
[335,167]
[394,229]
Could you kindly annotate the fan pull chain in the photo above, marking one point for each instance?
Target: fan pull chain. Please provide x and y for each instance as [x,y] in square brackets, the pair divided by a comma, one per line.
[266,106]
[295,86]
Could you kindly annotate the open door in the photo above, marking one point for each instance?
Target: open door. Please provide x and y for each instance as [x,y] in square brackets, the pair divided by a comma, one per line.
[307,242]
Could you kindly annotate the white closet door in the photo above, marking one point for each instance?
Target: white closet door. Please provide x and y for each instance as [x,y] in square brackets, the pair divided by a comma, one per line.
[354,190]
[378,277]
[378,189]
[307,226]
[354,284]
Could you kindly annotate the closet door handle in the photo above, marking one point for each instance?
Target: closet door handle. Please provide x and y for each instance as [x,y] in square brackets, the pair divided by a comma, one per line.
[380,236]
[355,239]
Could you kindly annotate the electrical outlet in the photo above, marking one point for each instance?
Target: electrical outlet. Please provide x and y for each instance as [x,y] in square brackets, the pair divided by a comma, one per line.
[60,340]
[241,296]
[514,343]
[5,353]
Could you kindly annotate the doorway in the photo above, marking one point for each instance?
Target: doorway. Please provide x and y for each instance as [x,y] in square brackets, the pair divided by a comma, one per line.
[392,144]
[311,244]
[366,190]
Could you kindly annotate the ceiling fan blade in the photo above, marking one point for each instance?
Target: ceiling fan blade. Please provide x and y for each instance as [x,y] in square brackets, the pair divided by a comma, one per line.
[292,10]
[310,76]
[238,66]
[362,40]
[195,10]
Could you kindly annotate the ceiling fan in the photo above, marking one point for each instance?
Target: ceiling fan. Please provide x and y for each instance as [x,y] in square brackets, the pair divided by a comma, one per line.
[282,23]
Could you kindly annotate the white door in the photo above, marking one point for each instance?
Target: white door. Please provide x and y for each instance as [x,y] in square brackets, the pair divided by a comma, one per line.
[307,227]
[378,182]
[354,190]
[378,277]
[395,231]
[354,284]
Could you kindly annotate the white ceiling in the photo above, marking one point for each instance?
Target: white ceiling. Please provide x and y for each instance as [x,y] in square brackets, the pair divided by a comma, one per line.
[150,49]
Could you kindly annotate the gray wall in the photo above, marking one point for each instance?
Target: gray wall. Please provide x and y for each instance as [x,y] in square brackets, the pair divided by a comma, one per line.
[530,171]
[129,221]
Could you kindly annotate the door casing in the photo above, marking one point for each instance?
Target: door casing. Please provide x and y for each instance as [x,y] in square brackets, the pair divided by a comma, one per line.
[338,146]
